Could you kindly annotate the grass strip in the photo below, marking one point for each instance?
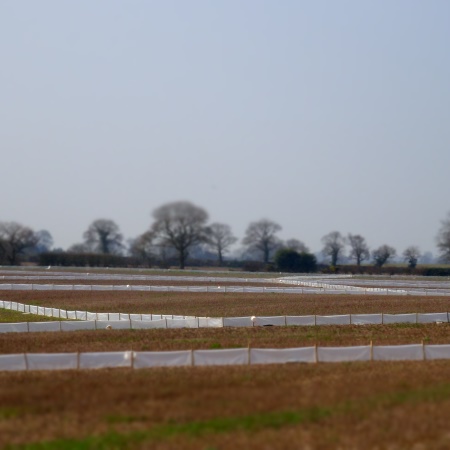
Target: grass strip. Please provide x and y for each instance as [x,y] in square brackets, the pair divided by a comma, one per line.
[10,316]
[254,422]
[250,423]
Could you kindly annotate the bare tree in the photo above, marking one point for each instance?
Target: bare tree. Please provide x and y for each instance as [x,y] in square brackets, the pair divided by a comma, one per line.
[297,245]
[180,225]
[261,236]
[383,254]
[411,256]
[359,249]
[333,246]
[143,247]
[103,236]
[15,239]
[443,239]
[44,241]
[220,238]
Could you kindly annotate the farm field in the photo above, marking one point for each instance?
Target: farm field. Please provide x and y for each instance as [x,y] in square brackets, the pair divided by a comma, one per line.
[325,406]
[227,304]
[358,405]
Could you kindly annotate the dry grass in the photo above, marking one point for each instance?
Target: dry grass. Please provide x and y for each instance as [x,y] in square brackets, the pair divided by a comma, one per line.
[227,304]
[361,406]
[374,405]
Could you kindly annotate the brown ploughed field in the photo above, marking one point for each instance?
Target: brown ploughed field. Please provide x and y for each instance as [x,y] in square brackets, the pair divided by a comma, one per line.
[364,405]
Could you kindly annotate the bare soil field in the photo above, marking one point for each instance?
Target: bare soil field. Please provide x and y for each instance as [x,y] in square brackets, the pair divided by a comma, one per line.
[402,405]
[227,304]
[373,405]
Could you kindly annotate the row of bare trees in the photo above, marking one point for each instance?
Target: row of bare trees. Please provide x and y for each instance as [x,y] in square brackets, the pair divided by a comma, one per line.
[180,227]
[334,244]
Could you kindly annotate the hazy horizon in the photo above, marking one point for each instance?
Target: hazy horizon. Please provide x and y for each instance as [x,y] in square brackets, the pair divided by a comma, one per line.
[320,116]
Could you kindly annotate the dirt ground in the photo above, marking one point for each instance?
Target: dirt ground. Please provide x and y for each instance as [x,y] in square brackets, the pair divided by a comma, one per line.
[227,304]
[372,405]
[319,406]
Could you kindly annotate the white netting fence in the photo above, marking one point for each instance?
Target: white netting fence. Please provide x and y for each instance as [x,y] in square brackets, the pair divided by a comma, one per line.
[301,287]
[236,356]
[85,320]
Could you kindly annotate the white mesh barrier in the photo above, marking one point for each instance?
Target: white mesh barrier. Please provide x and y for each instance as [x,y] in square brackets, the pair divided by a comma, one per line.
[366,319]
[34,309]
[20,307]
[48,312]
[66,287]
[52,361]
[77,325]
[148,324]
[147,317]
[208,322]
[182,323]
[44,326]
[432,318]
[270,321]
[41,310]
[285,355]
[14,362]
[124,316]
[162,359]
[91,316]
[237,322]
[333,320]
[135,316]
[59,361]
[104,360]
[20,327]
[82,287]
[72,315]
[102,316]
[342,354]
[437,351]
[113,316]
[301,320]
[63,314]
[398,352]
[81,315]
[221,357]
[113,324]
[399,318]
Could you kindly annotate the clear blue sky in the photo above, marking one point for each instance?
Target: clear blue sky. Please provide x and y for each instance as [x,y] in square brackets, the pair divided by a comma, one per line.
[320,115]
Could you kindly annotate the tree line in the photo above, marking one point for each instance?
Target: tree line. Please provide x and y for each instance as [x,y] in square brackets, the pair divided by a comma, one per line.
[181,231]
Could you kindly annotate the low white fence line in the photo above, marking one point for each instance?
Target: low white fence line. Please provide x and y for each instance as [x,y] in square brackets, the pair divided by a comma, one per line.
[235,356]
[302,287]
[85,320]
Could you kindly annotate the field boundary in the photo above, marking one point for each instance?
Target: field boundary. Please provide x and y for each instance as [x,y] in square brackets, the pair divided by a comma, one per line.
[85,320]
[235,356]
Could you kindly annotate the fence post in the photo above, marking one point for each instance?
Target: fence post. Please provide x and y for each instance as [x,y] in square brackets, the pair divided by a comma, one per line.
[316,355]
[423,351]
[192,357]
[371,350]
[26,361]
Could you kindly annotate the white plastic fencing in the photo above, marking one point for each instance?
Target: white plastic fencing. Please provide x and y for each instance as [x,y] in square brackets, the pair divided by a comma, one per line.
[85,320]
[302,287]
[238,356]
